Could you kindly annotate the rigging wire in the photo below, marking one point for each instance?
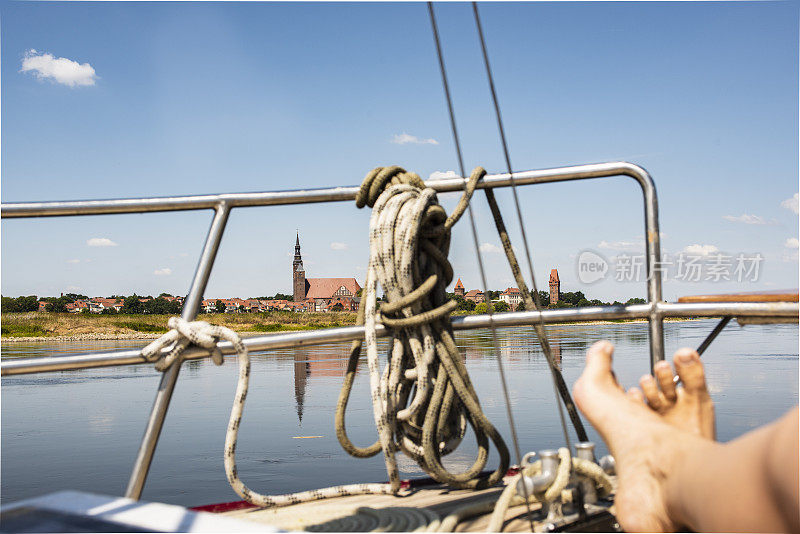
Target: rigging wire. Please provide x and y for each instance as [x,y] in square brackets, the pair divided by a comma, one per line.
[495,343]
[539,329]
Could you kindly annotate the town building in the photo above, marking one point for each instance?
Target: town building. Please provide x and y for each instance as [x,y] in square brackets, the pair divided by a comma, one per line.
[555,286]
[475,295]
[459,289]
[511,296]
[322,294]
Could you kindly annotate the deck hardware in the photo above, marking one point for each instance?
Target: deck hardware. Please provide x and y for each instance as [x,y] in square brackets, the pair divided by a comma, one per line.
[609,465]
[585,451]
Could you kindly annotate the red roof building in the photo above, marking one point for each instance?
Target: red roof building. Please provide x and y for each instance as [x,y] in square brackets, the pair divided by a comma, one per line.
[326,288]
[511,296]
[475,295]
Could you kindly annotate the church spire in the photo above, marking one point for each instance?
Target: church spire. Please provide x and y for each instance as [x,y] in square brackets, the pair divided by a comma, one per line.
[298,260]
[298,274]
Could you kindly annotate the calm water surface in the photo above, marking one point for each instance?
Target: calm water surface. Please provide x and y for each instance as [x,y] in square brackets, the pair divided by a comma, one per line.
[81,429]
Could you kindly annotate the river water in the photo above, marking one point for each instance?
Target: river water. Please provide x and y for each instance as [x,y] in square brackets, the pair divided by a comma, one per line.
[81,429]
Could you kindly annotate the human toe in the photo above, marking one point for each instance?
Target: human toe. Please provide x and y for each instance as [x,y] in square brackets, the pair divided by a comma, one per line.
[663,372]
[690,370]
[597,376]
[653,395]
[598,362]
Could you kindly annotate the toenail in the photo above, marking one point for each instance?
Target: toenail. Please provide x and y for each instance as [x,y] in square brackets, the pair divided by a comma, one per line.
[686,357]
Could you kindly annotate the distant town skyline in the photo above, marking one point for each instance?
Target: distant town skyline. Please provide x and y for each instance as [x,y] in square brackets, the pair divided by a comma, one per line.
[128,99]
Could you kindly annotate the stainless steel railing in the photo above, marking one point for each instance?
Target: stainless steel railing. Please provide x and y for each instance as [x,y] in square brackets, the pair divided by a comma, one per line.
[752,311]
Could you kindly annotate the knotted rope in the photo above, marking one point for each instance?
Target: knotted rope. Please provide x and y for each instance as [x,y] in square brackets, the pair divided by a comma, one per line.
[202,334]
[423,398]
[184,333]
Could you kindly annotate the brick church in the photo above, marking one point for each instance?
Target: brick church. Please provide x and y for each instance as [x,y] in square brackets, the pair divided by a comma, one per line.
[322,294]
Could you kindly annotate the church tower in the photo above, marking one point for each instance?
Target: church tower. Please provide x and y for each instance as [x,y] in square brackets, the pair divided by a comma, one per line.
[298,274]
[555,286]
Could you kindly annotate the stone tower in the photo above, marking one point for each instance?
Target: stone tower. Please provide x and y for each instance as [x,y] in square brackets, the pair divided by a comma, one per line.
[555,286]
[298,274]
[459,289]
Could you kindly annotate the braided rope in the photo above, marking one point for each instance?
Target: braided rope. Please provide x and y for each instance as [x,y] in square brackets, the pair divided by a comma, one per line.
[200,333]
[409,242]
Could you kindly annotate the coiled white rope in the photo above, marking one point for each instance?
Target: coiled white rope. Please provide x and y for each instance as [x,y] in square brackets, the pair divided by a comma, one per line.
[423,398]
[202,334]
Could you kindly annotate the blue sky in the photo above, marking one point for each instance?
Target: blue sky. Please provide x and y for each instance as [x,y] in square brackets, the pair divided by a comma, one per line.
[189,98]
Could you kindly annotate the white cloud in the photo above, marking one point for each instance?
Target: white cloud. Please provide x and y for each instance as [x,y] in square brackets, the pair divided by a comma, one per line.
[73,261]
[629,246]
[74,288]
[792,242]
[746,219]
[100,242]
[489,248]
[441,175]
[701,250]
[61,70]
[406,139]
[338,246]
[791,203]
[166,271]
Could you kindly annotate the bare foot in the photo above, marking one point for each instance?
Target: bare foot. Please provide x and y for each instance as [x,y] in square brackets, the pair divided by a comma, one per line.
[688,407]
[643,443]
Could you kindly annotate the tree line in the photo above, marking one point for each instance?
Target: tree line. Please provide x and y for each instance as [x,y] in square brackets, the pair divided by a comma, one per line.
[130,304]
[566,299]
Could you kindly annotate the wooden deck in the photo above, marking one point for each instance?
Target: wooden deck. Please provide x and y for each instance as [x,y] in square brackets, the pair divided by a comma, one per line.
[785,295]
[436,498]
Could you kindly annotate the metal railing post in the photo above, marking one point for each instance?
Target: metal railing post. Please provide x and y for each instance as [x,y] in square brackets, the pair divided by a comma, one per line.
[653,252]
[191,305]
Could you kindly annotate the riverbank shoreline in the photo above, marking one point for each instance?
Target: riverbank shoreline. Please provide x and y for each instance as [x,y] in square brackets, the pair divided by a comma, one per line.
[252,329]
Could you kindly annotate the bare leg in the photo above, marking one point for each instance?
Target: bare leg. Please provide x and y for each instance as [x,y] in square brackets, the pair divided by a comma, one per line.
[670,477]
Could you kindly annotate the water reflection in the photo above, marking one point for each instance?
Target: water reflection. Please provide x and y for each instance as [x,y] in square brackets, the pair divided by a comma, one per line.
[302,368]
[315,362]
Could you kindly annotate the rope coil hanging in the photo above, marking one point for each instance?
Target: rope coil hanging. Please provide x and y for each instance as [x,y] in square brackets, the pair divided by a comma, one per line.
[423,398]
